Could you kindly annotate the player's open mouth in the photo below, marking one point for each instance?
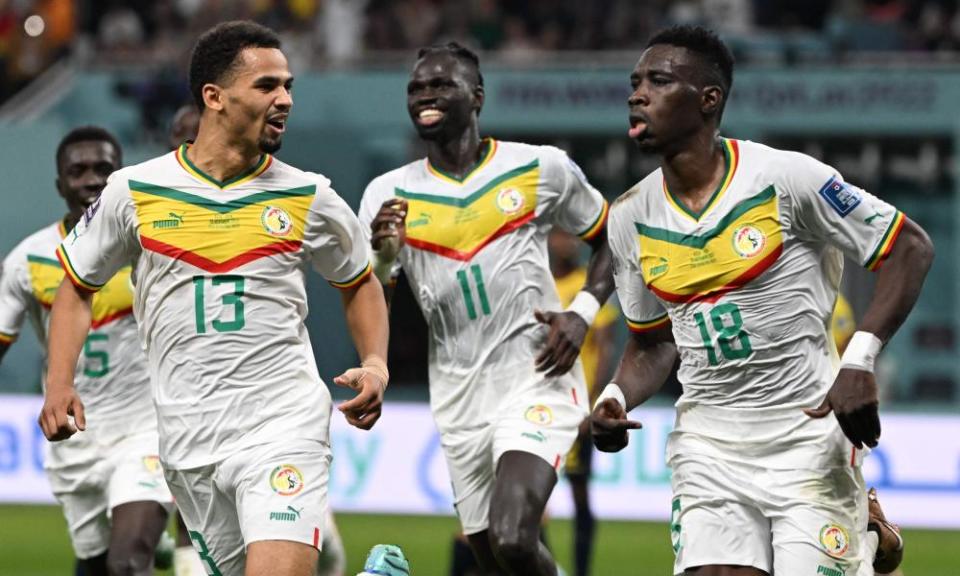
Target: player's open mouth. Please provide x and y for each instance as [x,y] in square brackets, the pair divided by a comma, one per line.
[637,127]
[278,123]
[429,116]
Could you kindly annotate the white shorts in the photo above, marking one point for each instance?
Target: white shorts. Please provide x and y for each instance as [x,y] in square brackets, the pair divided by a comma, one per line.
[126,469]
[275,491]
[544,424]
[780,521]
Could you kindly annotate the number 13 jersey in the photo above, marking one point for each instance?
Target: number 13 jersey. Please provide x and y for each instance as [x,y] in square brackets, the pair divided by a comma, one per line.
[476,259]
[219,271]
[749,285]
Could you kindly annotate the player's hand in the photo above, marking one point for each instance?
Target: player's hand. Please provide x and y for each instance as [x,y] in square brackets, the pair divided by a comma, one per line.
[59,404]
[853,400]
[567,331]
[389,223]
[609,426]
[363,410]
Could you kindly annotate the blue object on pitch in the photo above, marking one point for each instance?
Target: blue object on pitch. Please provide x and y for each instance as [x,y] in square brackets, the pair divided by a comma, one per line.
[386,560]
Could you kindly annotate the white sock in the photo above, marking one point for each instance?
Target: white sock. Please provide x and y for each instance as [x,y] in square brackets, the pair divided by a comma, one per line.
[186,562]
[870,543]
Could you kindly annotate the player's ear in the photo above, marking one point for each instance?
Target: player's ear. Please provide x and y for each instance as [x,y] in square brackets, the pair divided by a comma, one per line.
[212,96]
[478,97]
[711,99]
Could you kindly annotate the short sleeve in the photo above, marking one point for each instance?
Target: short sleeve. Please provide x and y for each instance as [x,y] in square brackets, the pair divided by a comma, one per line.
[14,297]
[826,208]
[641,309]
[377,192]
[104,240]
[579,208]
[334,240]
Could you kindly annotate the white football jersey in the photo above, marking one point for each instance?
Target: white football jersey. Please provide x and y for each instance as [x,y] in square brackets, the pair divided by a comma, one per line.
[111,376]
[219,294]
[749,285]
[476,258]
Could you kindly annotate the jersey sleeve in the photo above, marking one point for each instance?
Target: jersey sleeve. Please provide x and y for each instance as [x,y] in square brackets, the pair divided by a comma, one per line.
[377,192]
[828,209]
[14,297]
[579,208]
[104,240]
[641,309]
[334,239]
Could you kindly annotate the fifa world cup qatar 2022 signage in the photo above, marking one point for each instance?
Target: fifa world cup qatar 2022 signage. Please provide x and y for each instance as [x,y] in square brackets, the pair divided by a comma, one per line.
[398,467]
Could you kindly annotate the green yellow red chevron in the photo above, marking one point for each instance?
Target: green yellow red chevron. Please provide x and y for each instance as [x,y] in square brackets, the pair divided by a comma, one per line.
[220,236]
[458,228]
[886,243]
[681,268]
[731,158]
[114,300]
[647,325]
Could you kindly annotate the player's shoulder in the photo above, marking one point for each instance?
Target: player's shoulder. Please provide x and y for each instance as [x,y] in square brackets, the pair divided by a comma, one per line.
[41,243]
[640,196]
[777,164]
[280,175]
[390,179]
[523,153]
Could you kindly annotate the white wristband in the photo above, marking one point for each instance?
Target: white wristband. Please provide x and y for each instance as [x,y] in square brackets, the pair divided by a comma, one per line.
[586,306]
[861,352]
[611,391]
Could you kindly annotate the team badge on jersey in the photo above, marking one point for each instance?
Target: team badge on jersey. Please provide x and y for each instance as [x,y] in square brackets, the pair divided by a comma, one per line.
[286,480]
[842,197]
[834,539]
[152,464]
[510,201]
[276,221]
[539,414]
[748,241]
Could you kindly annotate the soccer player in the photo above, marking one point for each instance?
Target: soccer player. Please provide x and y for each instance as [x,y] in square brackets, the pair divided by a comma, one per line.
[221,232]
[470,223]
[108,480]
[732,253]
[596,355]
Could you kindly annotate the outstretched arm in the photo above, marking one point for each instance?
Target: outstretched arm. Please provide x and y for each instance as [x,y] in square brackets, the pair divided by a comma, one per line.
[69,323]
[366,313]
[853,398]
[644,367]
[569,328]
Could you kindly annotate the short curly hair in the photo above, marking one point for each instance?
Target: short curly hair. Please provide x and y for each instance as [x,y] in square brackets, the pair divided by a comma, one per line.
[715,56]
[458,51]
[88,134]
[215,53]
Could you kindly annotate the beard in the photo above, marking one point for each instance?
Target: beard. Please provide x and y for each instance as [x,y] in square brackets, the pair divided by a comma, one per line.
[269,145]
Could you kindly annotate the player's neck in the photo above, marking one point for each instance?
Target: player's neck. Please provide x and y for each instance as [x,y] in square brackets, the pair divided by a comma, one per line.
[694,171]
[457,156]
[220,158]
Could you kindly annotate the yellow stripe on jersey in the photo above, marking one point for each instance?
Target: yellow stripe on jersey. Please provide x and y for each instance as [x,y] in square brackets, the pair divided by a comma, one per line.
[458,228]
[220,236]
[682,267]
[77,280]
[598,224]
[647,325]
[491,148]
[886,243]
[358,278]
[112,301]
[731,159]
[259,168]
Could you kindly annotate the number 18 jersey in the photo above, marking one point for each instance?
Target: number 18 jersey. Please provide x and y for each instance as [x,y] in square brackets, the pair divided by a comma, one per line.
[749,284]
[476,258]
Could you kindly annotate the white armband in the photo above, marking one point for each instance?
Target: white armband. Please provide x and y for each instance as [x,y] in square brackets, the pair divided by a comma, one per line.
[586,306]
[861,352]
[611,391]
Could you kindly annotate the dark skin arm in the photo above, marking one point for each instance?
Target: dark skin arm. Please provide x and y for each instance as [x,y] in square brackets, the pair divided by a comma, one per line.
[568,329]
[389,223]
[644,367]
[853,398]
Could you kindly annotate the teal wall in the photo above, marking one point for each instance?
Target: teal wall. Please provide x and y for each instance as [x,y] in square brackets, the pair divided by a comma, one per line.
[353,125]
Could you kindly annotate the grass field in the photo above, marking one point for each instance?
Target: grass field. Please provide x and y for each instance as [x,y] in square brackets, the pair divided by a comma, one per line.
[33,542]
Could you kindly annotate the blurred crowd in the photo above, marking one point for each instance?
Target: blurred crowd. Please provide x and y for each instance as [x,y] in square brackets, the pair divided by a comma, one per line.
[36,33]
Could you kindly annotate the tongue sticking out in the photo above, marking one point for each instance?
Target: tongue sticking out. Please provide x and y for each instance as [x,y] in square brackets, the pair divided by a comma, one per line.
[636,129]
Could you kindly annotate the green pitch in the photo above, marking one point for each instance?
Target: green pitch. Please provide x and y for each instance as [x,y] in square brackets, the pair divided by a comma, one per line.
[33,542]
